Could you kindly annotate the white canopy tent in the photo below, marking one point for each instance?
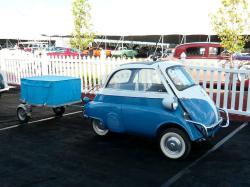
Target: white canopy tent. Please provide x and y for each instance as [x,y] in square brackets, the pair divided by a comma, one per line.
[111,18]
[158,17]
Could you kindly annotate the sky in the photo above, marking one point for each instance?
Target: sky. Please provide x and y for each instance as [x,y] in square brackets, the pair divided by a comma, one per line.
[33,17]
[30,18]
[153,16]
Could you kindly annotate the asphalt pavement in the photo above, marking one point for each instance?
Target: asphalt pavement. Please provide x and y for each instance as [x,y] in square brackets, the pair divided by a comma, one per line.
[64,151]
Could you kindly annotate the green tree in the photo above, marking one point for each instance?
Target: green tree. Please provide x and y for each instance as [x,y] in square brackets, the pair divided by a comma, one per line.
[231,23]
[82,35]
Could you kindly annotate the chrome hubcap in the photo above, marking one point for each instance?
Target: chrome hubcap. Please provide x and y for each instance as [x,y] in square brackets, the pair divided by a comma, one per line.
[99,128]
[174,144]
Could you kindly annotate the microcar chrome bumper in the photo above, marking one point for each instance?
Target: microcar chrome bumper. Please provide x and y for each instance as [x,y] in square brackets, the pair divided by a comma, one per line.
[206,130]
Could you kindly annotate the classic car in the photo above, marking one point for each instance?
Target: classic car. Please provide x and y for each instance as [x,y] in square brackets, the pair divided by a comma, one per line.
[200,51]
[32,46]
[242,56]
[155,99]
[205,53]
[62,51]
[96,52]
[124,52]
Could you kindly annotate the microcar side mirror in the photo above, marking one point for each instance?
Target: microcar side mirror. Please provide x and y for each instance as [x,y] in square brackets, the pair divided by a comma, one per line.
[170,103]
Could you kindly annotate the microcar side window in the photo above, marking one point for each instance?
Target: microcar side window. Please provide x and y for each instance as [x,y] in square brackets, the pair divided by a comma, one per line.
[149,81]
[180,77]
[121,80]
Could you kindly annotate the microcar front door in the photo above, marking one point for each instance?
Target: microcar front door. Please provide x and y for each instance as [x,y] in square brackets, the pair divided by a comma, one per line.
[193,98]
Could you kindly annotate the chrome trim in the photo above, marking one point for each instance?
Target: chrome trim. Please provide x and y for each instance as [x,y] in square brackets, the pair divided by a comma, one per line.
[205,128]
[227,117]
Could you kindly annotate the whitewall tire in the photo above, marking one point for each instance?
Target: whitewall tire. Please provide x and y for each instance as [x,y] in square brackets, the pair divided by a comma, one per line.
[174,143]
[99,128]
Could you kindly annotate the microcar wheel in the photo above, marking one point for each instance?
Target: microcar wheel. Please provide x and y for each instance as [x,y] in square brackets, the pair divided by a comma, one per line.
[174,143]
[99,128]
[59,110]
[22,115]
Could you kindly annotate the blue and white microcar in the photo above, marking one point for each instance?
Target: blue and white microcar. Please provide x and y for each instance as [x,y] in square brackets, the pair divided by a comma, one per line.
[156,99]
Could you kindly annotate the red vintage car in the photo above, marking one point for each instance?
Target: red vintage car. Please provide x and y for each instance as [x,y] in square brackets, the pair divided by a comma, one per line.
[211,51]
[62,51]
[207,54]
[206,50]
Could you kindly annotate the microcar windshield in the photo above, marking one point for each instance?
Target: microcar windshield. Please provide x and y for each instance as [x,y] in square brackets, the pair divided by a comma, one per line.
[180,77]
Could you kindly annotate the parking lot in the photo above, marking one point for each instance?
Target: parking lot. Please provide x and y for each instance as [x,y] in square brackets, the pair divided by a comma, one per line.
[64,151]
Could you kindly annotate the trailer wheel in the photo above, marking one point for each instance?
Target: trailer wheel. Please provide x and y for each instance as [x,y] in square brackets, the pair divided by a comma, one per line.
[22,115]
[59,111]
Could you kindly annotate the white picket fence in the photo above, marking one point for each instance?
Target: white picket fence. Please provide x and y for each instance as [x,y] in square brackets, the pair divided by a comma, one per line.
[93,71]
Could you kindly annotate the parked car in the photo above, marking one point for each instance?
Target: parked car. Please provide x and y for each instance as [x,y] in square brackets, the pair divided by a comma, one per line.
[242,56]
[158,55]
[96,52]
[156,99]
[206,53]
[124,52]
[199,51]
[143,52]
[62,51]
[32,46]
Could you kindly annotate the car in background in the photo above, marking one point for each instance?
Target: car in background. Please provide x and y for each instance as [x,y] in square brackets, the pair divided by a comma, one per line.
[96,52]
[158,54]
[144,51]
[200,52]
[242,56]
[124,52]
[32,46]
[62,51]
[244,59]
[207,54]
